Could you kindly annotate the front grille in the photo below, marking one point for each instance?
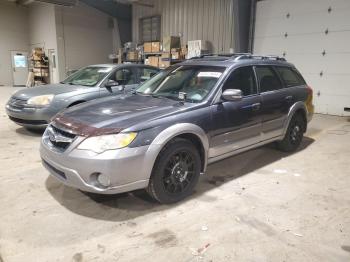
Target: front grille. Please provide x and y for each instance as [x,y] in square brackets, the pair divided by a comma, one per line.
[17,103]
[54,170]
[57,138]
[28,122]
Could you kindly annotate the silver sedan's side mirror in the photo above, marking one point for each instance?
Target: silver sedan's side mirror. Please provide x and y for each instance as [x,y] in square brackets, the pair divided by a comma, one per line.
[111,83]
[232,94]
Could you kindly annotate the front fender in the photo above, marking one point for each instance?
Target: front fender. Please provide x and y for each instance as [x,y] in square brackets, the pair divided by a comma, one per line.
[168,134]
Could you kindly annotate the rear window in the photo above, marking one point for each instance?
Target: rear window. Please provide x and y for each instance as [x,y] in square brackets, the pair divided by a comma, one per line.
[289,76]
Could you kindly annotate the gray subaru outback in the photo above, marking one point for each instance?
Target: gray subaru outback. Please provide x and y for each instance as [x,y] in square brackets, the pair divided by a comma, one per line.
[162,136]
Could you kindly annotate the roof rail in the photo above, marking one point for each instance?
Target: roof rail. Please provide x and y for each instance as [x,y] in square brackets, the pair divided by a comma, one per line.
[229,55]
[268,57]
[241,56]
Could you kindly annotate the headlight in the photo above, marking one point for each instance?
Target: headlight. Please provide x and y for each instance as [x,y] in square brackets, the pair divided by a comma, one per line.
[99,144]
[40,100]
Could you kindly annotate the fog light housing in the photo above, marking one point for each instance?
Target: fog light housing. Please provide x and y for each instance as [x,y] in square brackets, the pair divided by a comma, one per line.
[103,180]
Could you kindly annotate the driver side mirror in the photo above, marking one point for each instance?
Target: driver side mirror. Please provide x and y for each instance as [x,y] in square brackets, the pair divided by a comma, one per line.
[111,83]
[232,95]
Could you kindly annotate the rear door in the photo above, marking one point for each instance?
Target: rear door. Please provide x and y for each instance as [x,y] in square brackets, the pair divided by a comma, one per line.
[276,101]
[237,124]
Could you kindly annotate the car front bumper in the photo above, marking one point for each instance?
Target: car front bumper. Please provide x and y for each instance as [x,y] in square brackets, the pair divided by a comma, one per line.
[30,117]
[128,169]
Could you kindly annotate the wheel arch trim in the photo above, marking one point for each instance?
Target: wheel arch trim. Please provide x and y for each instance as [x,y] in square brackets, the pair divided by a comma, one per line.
[293,109]
[170,133]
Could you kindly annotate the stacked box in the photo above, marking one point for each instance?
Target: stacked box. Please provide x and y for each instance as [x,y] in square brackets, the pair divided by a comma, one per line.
[170,42]
[147,47]
[197,48]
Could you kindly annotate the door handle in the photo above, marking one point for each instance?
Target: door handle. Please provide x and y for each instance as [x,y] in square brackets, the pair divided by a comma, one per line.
[255,106]
[289,98]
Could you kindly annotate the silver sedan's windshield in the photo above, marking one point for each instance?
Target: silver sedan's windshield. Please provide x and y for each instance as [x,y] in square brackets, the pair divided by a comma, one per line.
[190,83]
[88,76]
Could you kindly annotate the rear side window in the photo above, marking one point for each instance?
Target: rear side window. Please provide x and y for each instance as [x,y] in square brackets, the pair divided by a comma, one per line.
[268,79]
[242,78]
[289,76]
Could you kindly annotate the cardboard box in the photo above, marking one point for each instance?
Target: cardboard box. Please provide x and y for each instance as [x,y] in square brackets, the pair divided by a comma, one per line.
[164,63]
[197,48]
[155,47]
[175,55]
[153,61]
[147,47]
[166,55]
[133,56]
[170,42]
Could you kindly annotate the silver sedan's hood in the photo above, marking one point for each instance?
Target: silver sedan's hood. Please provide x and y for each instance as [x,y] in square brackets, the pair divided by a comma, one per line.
[52,89]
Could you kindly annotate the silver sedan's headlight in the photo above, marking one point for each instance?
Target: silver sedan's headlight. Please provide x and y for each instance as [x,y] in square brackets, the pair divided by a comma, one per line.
[40,100]
[100,144]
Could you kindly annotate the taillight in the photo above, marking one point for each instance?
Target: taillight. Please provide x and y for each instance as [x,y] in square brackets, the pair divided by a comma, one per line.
[309,91]
[308,101]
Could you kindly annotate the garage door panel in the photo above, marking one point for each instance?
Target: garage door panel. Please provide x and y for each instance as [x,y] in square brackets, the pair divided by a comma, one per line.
[305,43]
[334,64]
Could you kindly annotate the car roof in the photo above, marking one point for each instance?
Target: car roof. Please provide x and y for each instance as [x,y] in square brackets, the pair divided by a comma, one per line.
[232,60]
[120,65]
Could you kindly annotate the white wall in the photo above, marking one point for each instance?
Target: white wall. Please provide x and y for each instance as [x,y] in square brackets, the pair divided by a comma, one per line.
[13,36]
[84,37]
[210,20]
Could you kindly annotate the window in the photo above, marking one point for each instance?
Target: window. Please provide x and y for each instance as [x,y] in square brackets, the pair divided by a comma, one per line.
[124,76]
[268,80]
[189,83]
[147,73]
[88,76]
[290,77]
[243,79]
[150,29]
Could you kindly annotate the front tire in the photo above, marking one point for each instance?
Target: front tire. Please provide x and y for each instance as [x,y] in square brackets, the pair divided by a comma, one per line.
[294,134]
[176,172]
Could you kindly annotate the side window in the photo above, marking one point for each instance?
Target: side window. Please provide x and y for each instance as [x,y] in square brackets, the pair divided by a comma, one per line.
[124,76]
[242,78]
[268,80]
[147,73]
[289,76]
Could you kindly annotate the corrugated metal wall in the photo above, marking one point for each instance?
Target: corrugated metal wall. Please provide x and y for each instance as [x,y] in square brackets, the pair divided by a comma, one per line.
[210,20]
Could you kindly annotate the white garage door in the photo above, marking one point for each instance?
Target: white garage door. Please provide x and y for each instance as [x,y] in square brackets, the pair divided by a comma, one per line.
[315,36]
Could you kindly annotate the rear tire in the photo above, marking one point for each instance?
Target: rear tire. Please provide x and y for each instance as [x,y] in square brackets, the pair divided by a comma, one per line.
[294,134]
[175,173]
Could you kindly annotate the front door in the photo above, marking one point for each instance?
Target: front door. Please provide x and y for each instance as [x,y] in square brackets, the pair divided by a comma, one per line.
[19,67]
[126,79]
[237,124]
[276,101]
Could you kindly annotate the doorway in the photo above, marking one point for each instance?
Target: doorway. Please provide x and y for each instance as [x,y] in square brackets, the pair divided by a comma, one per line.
[53,66]
[19,67]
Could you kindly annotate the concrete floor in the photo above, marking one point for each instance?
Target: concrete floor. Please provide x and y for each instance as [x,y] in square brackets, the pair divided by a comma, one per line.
[262,205]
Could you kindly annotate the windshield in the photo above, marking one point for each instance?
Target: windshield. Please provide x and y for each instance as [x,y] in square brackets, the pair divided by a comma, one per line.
[88,76]
[189,83]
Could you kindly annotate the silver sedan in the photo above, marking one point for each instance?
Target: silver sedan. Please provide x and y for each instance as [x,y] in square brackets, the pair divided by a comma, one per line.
[34,107]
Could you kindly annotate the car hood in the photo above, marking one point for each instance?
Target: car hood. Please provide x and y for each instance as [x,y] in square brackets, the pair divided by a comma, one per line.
[54,89]
[113,114]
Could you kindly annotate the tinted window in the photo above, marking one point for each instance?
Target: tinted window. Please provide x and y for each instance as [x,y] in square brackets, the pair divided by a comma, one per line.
[268,80]
[289,76]
[124,76]
[147,73]
[242,78]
